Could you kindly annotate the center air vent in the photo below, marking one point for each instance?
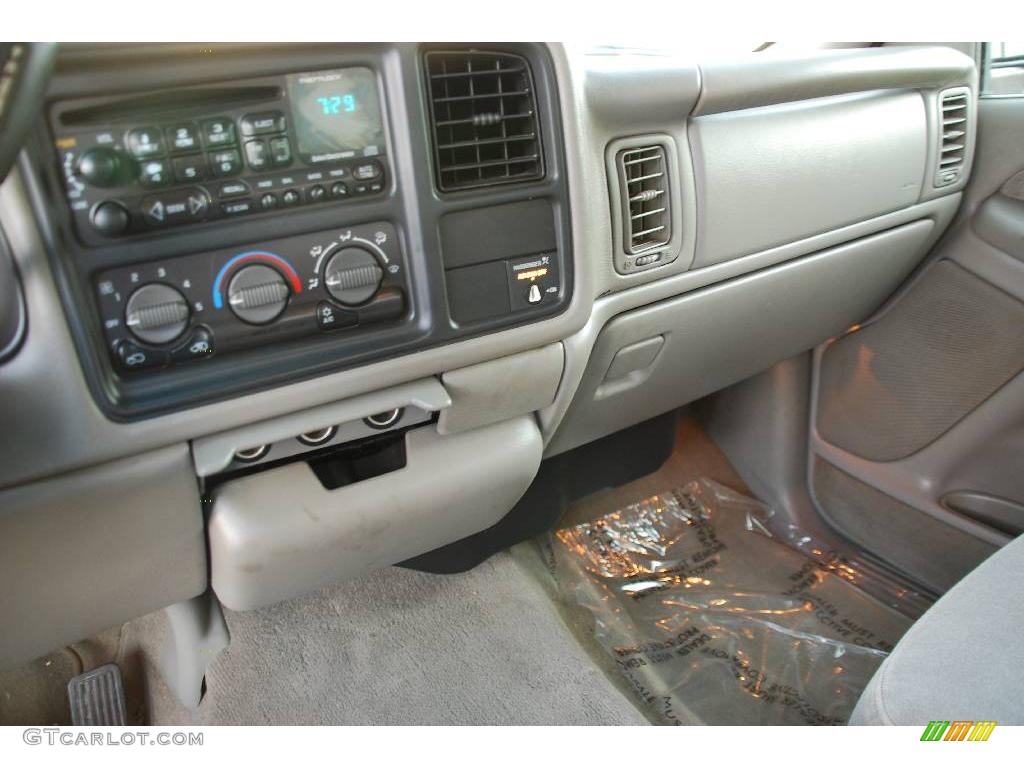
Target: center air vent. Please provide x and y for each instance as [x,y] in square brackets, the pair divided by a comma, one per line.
[484,116]
[953,125]
[644,187]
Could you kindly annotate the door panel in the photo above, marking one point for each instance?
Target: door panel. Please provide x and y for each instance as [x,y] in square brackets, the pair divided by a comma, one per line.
[917,429]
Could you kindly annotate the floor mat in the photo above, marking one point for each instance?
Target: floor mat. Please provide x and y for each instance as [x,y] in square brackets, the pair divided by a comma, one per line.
[710,606]
[400,647]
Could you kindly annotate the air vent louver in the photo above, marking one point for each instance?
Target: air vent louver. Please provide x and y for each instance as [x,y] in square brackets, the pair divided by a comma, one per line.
[484,117]
[643,177]
[953,124]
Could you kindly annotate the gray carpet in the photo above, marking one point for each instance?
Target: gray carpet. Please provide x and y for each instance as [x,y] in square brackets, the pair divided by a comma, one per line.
[399,647]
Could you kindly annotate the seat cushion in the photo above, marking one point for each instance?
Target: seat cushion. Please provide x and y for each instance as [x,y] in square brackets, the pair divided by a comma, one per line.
[963,659]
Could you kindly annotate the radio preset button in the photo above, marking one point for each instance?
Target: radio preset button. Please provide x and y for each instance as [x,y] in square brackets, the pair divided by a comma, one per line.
[189,169]
[226,162]
[280,151]
[260,123]
[219,132]
[144,142]
[237,207]
[233,189]
[368,171]
[183,137]
[154,173]
[256,154]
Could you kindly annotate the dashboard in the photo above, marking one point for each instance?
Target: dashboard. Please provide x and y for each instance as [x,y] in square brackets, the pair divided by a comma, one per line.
[281,226]
[293,312]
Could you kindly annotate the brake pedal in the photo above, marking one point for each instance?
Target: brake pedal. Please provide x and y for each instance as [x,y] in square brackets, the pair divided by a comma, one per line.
[97,697]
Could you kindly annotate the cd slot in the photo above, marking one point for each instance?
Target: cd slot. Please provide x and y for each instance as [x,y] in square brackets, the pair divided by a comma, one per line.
[190,99]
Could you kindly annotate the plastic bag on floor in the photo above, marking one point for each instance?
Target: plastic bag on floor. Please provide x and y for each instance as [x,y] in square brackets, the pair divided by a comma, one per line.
[705,607]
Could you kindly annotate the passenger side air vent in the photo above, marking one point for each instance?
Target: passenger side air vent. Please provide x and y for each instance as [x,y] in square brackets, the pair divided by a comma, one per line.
[484,118]
[644,185]
[953,135]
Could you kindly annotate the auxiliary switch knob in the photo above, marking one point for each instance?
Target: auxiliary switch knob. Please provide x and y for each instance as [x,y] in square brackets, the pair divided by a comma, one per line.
[353,275]
[257,294]
[156,314]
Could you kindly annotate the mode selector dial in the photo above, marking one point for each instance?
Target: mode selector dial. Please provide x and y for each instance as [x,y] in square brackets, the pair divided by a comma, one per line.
[353,275]
[156,313]
[257,294]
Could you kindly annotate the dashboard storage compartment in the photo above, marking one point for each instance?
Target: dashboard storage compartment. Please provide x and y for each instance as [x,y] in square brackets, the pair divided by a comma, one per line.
[772,175]
[279,533]
[722,334]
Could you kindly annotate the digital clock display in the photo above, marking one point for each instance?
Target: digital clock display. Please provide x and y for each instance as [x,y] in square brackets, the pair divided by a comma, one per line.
[336,114]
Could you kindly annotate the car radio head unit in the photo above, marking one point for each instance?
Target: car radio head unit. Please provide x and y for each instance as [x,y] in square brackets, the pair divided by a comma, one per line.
[133,165]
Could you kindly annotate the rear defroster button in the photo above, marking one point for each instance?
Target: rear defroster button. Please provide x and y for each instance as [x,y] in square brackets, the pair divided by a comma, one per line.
[198,346]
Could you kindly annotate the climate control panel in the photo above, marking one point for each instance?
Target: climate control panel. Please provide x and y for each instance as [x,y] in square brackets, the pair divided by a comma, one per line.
[188,309]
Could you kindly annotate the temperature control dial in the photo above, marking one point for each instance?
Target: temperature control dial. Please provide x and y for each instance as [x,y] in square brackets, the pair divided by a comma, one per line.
[257,294]
[156,313]
[353,275]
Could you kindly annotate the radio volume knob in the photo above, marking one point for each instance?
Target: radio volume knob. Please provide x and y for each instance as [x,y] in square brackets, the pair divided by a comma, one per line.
[156,313]
[353,275]
[101,167]
[257,294]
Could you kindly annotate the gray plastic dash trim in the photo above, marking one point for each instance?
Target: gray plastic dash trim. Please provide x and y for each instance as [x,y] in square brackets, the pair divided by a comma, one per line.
[760,79]
[720,335]
[280,533]
[579,346]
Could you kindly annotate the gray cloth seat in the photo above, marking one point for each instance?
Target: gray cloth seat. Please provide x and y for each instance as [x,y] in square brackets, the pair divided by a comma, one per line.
[963,659]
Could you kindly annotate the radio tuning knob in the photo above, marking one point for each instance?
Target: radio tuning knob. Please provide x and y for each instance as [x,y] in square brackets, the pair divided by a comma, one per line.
[101,167]
[353,275]
[257,294]
[109,218]
[156,313]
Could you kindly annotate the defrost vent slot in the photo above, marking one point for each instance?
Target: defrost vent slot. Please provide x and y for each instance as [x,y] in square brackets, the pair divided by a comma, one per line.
[484,119]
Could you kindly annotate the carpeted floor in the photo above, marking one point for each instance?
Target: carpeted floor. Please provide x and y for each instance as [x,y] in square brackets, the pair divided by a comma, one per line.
[498,645]
[400,647]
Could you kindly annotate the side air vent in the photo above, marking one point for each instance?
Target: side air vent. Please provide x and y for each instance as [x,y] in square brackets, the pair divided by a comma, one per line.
[953,129]
[644,185]
[484,118]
